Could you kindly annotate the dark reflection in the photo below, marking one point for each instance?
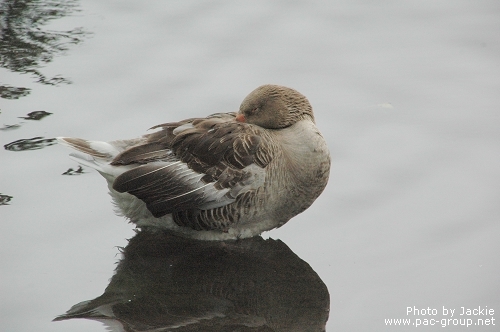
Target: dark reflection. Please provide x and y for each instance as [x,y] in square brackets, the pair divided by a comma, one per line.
[25,46]
[35,115]
[11,127]
[71,171]
[12,92]
[34,143]
[167,283]
[5,199]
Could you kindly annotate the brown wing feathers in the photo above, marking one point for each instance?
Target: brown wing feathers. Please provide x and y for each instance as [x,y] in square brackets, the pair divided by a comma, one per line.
[226,143]
[216,148]
[164,187]
[143,154]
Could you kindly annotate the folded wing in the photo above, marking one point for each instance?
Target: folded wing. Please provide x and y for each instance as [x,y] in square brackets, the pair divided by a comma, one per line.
[197,164]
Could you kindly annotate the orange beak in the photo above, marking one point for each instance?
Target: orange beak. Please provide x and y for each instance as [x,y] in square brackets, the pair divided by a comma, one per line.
[240,117]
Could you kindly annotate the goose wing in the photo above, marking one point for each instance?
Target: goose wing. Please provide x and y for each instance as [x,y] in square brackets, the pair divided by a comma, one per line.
[196,164]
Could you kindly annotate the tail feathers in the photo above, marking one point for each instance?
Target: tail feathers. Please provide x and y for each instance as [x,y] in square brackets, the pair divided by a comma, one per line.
[86,160]
[87,309]
[96,149]
[94,154]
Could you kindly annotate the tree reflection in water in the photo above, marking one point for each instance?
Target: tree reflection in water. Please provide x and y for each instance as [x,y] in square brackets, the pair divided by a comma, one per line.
[165,282]
[25,46]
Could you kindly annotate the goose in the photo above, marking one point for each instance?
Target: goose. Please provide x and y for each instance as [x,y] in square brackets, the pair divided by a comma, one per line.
[222,177]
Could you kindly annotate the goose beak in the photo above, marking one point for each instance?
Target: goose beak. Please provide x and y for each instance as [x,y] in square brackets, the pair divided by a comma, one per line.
[240,117]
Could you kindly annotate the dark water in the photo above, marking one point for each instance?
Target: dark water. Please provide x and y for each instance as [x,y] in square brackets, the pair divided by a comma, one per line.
[406,95]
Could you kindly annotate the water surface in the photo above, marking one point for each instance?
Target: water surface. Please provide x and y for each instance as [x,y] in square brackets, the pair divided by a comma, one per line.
[406,94]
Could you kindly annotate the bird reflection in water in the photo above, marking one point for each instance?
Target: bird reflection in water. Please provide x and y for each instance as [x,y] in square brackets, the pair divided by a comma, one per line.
[168,283]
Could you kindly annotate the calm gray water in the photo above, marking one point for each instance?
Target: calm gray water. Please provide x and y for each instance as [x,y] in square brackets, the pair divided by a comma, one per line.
[407,95]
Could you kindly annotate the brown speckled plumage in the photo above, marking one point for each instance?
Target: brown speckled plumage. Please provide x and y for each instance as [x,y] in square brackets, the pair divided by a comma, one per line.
[227,175]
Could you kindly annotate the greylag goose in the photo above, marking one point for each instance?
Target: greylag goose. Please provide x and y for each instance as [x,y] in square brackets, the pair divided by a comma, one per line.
[226,176]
